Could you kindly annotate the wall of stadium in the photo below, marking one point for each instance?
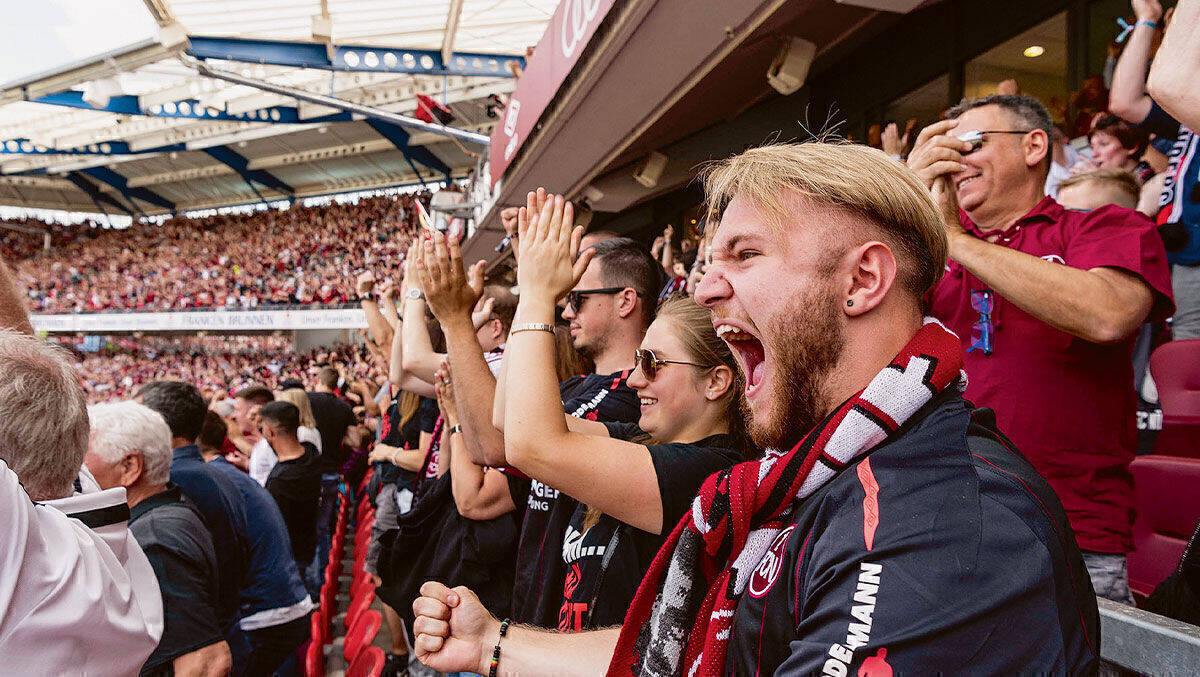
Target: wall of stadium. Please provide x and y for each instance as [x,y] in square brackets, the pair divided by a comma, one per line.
[220,320]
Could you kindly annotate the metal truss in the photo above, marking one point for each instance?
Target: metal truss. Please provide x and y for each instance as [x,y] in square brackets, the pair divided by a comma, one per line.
[351,58]
[27,147]
[241,165]
[129,192]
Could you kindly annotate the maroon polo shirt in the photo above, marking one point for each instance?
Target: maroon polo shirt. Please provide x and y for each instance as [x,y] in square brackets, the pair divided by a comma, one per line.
[1068,404]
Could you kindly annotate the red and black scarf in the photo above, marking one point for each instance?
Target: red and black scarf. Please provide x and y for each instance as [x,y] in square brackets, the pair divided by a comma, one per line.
[680,620]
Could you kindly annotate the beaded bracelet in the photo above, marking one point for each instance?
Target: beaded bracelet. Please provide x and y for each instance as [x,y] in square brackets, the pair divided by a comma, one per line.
[496,651]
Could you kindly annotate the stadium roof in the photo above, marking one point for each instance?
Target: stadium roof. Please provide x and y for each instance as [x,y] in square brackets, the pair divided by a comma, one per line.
[139,130]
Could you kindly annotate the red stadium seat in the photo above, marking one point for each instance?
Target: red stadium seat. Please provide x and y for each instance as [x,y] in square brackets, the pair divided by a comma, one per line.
[1175,367]
[314,660]
[1167,515]
[361,634]
[369,663]
[316,629]
[359,602]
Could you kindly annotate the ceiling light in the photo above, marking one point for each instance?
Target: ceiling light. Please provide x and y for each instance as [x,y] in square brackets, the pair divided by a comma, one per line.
[1034,51]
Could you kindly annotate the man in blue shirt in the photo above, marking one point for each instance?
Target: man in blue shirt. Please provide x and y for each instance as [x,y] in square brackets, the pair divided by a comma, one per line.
[270,612]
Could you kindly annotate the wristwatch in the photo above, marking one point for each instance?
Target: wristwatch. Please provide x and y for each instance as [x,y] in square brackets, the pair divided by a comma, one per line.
[415,294]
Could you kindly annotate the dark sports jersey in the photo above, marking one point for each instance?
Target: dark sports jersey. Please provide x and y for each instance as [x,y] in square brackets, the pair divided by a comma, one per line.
[1178,215]
[333,417]
[540,574]
[403,434]
[296,486]
[941,552]
[606,562]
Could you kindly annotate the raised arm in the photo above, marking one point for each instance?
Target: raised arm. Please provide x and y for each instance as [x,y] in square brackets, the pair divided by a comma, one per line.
[478,494]
[381,331]
[452,293]
[1128,97]
[13,313]
[616,477]
[1176,68]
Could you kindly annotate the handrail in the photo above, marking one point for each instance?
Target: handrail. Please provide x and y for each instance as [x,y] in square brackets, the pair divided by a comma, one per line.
[1146,642]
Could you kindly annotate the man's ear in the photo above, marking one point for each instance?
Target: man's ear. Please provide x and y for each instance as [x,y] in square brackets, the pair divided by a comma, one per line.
[131,468]
[1036,146]
[626,302]
[873,269]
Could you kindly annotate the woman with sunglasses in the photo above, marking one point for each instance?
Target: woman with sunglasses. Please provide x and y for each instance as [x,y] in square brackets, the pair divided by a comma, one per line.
[633,482]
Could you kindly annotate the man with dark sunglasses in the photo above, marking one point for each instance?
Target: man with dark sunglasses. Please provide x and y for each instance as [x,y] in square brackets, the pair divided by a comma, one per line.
[1046,302]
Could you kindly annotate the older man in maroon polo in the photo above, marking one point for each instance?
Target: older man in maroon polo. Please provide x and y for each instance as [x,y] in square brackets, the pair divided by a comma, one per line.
[1046,301]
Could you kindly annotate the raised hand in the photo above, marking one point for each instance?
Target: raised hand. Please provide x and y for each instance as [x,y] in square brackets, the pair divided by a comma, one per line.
[365,283]
[454,631]
[551,263]
[449,289]
[892,143]
[936,157]
[1147,10]
[482,312]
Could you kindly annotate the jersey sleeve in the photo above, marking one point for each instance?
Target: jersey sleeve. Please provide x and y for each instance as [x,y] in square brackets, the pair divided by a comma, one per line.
[1114,237]
[604,399]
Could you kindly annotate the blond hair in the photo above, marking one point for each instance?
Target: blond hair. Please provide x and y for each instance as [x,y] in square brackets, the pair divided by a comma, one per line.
[298,397]
[1121,180]
[858,179]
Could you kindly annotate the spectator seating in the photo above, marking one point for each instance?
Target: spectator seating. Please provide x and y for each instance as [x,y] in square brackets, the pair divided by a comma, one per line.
[1167,515]
[1175,367]
[368,664]
[361,634]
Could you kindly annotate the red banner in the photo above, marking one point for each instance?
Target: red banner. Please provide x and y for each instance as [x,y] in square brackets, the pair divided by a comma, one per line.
[569,31]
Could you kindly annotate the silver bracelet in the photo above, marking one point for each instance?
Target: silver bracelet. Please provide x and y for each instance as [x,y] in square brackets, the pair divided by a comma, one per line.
[531,326]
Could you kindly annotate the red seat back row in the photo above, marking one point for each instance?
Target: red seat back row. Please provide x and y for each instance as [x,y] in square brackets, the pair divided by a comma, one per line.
[1167,514]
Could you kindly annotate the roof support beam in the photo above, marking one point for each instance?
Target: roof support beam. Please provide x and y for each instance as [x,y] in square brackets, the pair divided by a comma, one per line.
[27,147]
[451,29]
[399,138]
[341,104]
[352,58]
[188,109]
[228,156]
[130,192]
[93,191]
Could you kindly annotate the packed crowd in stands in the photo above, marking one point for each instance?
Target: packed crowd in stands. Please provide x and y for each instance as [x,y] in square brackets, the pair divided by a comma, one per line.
[300,255]
[875,417]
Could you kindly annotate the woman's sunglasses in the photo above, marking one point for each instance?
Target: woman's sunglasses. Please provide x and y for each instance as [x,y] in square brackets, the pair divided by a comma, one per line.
[649,363]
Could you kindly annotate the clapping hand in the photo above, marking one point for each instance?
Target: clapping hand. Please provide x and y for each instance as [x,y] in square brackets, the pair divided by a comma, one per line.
[551,263]
[450,290]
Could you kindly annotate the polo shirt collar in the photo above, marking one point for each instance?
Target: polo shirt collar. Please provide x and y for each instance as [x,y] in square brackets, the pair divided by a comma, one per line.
[1048,210]
[187,451]
[171,494]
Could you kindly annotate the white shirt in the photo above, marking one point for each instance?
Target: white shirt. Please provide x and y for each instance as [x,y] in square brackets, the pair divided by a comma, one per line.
[73,600]
[263,458]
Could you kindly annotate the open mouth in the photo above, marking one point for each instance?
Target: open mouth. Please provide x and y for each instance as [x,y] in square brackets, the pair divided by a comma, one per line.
[749,352]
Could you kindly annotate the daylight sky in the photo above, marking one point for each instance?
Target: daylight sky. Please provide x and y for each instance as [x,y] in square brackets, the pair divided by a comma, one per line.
[37,35]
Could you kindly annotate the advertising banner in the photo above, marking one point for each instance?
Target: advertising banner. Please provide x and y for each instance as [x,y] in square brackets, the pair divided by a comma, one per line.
[569,31]
[214,320]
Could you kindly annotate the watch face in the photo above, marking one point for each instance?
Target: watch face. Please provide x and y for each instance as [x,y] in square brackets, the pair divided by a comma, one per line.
[414,293]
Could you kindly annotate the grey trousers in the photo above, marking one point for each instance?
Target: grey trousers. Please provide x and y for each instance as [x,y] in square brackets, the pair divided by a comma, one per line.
[1185,284]
[1110,579]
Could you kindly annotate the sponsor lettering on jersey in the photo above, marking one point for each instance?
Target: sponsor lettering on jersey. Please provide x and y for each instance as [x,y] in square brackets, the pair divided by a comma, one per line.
[858,632]
[590,405]
[540,495]
[770,565]
[570,615]
[573,549]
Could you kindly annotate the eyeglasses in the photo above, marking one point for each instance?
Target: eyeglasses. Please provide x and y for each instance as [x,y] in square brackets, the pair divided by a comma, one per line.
[981,332]
[649,363]
[975,137]
[575,296]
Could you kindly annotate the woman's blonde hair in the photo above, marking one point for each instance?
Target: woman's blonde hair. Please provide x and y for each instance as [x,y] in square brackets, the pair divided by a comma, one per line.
[299,398]
[858,179]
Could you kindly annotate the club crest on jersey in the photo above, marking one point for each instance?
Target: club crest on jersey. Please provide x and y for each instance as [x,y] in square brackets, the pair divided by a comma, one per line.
[770,565]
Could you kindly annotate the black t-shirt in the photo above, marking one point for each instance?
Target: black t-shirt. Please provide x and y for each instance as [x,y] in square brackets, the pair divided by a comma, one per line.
[540,573]
[404,434]
[333,416]
[296,487]
[172,534]
[943,551]
[606,562]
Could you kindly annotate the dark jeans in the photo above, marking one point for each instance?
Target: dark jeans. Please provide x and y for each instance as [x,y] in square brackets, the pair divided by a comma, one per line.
[259,653]
[326,514]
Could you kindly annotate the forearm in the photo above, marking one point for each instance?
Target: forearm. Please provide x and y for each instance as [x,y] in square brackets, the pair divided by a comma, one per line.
[379,327]
[537,425]
[213,660]
[476,390]
[419,359]
[1128,98]
[388,309]
[498,401]
[13,313]
[1176,67]
[528,651]
[396,374]
[1079,302]
[477,494]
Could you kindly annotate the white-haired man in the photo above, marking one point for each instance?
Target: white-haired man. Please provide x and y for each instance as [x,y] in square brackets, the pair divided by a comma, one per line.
[78,596]
[130,446]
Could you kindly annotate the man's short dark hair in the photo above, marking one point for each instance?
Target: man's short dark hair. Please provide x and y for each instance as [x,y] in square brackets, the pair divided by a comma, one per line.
[626,263]
[328,376]
[255,394]
[283,416]
[1031,113]
[181,405]
[504,304]
[212,435]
